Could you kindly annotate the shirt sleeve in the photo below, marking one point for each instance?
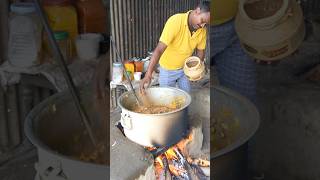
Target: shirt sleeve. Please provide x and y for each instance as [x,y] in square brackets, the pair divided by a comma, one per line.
[170,30]
[202,44]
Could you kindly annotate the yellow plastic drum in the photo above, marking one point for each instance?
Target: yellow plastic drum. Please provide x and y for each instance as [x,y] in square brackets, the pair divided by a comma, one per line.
[62,16]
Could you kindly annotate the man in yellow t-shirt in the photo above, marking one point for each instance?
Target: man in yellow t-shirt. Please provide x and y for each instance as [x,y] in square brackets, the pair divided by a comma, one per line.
[183,33]
[235,69]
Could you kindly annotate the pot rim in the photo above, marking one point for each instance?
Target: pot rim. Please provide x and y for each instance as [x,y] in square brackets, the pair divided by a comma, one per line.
[192,59]
[244,139]
[187,100]
[265,22]
[28,129]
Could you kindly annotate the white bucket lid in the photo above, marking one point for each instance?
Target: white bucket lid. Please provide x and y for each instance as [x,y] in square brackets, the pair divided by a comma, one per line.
[23,8]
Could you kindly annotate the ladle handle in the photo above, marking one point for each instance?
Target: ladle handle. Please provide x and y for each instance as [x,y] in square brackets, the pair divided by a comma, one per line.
[65,71]
[126,73]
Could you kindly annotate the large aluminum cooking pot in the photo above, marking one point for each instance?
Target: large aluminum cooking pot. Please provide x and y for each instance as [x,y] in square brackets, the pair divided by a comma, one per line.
[231,162]
[155,130]
[51,126]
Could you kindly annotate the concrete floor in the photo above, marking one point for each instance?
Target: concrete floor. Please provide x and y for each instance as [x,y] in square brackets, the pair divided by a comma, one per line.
[287,143]
[127,159]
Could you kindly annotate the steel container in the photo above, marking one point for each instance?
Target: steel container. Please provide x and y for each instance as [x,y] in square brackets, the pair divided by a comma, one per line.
[51,126]
[155,130]
[231,162]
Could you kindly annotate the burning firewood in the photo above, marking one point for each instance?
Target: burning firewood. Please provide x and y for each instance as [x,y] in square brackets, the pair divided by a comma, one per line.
[199,162]
[159,170]
[183,144]
[176,163]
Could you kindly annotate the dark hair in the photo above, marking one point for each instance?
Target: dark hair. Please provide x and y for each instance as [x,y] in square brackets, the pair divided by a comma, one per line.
[204,6]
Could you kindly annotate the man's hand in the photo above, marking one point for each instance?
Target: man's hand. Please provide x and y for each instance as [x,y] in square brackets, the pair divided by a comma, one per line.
[201,53]
[145,82]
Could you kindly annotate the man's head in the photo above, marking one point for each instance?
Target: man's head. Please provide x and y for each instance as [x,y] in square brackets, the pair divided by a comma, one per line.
[200,16]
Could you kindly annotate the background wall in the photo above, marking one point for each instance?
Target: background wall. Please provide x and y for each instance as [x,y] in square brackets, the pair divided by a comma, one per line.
[136,25]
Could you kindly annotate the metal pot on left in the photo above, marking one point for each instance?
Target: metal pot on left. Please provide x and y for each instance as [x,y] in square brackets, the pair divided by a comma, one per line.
[52,126]
[156,130]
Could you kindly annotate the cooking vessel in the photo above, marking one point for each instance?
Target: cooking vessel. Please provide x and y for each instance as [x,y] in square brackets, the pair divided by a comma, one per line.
[230,163]
[52,126]
[155,130]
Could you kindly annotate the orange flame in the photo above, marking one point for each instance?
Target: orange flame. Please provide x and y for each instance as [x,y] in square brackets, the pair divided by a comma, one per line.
[159,161]
[159,167]
[174,170]
[150,148]
[183,144]
[172,155]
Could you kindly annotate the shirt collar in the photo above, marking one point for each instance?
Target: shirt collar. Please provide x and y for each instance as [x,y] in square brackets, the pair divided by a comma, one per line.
[186,18]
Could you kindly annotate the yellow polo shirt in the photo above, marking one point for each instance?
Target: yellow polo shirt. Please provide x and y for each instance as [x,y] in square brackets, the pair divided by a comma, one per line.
[180,43]
[223,11]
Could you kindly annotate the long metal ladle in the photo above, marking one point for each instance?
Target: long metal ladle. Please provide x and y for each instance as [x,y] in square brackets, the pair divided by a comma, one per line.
[126,73]
[59,57]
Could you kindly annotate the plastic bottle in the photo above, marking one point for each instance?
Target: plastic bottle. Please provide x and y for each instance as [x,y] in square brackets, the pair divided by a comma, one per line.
[138,66]
[117,72]
[24,35]
[129,67]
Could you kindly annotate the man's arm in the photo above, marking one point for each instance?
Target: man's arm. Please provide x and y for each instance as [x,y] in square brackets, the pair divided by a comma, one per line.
[201,54]
[158,51]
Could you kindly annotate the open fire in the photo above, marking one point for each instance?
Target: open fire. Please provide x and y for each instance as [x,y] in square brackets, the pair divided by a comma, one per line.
[175,163]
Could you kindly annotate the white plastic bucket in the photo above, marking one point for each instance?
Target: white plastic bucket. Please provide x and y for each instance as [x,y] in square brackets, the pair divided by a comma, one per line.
[87,45]
[137,76]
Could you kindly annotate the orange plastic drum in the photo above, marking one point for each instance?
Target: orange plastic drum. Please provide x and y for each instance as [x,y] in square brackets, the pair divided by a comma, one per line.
[92,16]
